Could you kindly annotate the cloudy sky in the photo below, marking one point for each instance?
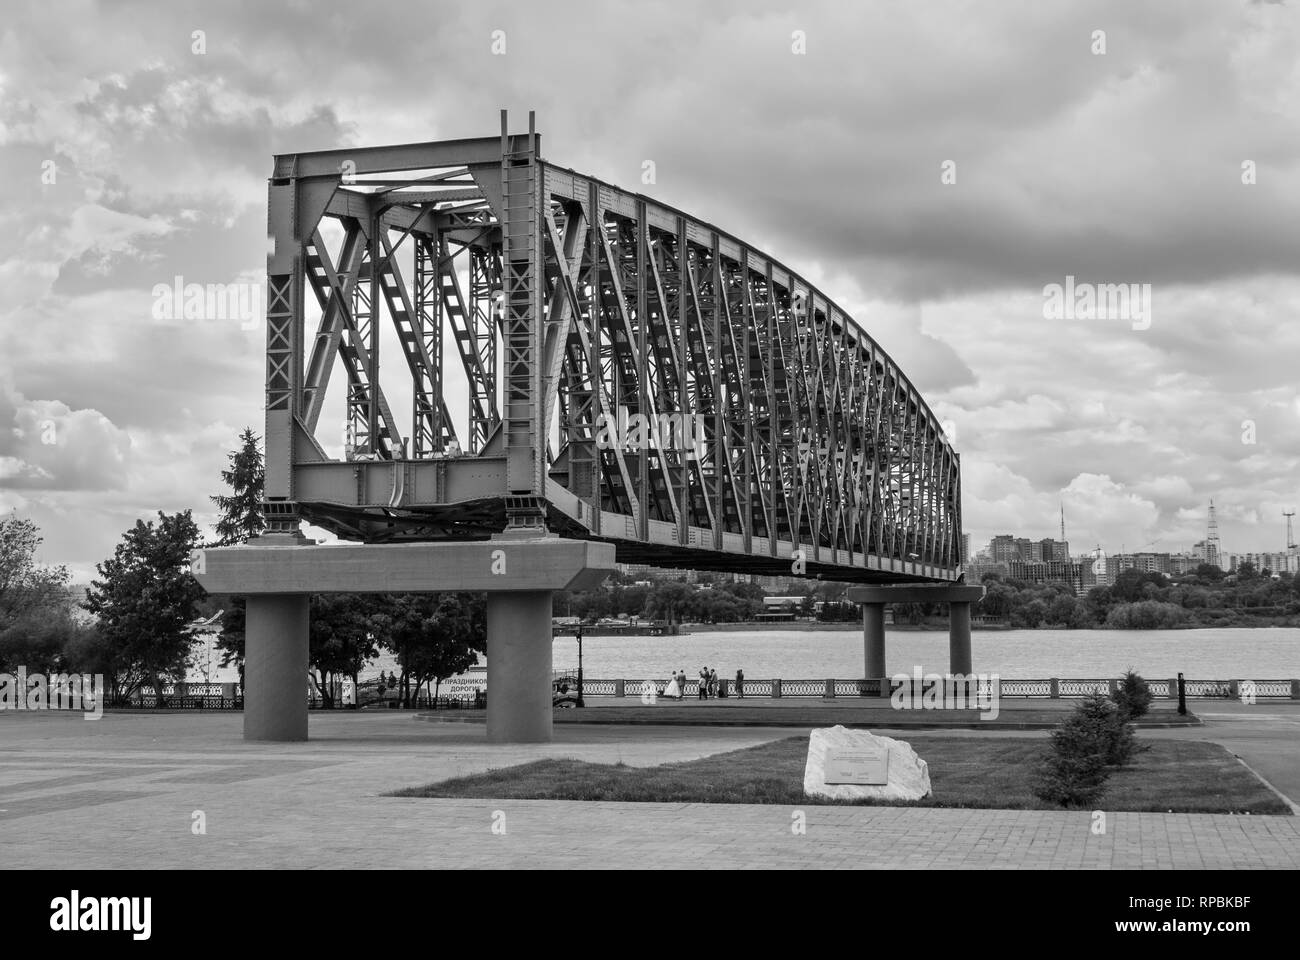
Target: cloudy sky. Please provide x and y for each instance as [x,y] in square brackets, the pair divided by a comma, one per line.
[931,166]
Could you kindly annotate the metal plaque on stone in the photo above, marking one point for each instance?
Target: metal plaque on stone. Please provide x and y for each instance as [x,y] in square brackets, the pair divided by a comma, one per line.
[864,765]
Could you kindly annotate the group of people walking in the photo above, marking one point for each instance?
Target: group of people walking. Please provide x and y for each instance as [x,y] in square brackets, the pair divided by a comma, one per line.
[709,685]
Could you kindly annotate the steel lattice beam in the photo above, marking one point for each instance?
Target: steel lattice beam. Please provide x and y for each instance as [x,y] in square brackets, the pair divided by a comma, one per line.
[603,306]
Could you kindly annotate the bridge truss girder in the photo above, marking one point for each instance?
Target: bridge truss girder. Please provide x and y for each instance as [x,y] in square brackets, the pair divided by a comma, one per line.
[587,305]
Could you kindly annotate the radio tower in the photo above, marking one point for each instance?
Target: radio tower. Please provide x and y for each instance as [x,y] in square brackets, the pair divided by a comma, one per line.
[1212,539]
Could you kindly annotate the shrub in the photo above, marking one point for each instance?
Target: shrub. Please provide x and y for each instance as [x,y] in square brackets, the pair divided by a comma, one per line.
[1084,744]
[1073,773]
[1114,734]
[1133,698]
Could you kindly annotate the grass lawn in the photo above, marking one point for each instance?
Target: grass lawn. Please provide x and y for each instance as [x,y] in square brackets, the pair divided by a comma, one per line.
[1179,775]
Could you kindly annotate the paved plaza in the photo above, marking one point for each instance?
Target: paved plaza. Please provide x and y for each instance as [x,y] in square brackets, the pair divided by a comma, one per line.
[124,791]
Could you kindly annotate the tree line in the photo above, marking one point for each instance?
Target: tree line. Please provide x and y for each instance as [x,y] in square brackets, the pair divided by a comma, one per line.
[144,600]
[1150,601]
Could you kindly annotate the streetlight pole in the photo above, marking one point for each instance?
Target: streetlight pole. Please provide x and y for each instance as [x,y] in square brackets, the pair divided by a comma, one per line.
[578,634]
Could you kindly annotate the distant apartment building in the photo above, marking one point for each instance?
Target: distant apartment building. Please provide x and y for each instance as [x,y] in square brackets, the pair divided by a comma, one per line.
[983,565]
[643,571]
[1050,549]
[1077,575]
[1272,562]
[1206,552]
[1002,549]
[1006,548]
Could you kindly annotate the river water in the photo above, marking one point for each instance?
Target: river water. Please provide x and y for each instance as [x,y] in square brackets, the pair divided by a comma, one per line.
[1262,653]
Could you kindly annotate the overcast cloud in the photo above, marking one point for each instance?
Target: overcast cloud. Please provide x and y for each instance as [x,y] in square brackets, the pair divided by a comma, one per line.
[1123,167]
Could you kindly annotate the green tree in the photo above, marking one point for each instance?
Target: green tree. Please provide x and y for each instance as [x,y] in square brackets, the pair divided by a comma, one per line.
[434,636]
[1061,610]
[347,630]
[241,520]
[25,587]
[144,599]
[667,598]
[1133,698]
[1208,571]
[1030,614]
[998,599]
[241,510]
[1074,771]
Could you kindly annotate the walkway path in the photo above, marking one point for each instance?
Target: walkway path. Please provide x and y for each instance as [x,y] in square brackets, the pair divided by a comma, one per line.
[122,792]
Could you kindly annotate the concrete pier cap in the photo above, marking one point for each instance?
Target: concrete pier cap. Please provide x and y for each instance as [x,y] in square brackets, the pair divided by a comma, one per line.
[916,593]
[518,570]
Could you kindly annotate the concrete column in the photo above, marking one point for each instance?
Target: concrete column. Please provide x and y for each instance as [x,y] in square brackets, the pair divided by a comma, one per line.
[519,666]
[959,659]
[873,639]
[275,667]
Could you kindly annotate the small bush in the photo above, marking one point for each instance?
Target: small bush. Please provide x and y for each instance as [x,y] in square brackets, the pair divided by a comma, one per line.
[1133,698]
[1073,773]
[1083,746]
[1107,723]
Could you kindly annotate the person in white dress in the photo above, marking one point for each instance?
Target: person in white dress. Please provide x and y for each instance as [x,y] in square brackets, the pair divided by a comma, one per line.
[673,691]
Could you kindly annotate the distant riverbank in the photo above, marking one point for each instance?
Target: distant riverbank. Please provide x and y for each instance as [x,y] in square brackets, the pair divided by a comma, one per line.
[939,623]
[766,626]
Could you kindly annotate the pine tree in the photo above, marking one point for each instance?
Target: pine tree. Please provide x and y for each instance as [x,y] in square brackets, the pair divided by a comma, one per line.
[241,512]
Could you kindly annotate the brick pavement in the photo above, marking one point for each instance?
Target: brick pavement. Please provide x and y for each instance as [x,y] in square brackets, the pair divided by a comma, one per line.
[121,792]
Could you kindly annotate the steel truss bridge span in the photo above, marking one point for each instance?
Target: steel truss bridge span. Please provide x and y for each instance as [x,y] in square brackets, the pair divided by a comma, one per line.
[576,312]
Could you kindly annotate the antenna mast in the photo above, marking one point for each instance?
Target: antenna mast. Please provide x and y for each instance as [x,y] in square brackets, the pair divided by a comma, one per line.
[1212,538]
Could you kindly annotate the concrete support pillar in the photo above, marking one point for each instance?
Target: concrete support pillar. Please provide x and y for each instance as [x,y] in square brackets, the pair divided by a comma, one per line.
[959,658]
[275,667]
[519,666]
[873,639]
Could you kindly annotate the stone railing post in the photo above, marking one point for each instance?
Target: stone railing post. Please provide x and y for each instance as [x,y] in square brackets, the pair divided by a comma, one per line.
[620,690]
[1234,689]
[1295,689]
[776,689]
[1173,689]
[830,690]
[1055,692]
